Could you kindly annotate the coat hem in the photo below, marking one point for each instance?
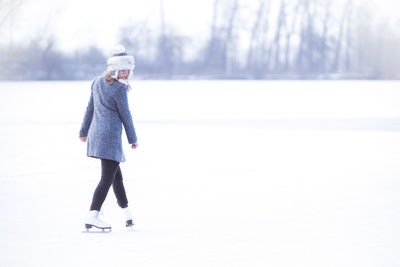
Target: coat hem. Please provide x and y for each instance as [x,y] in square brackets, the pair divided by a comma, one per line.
[103,157]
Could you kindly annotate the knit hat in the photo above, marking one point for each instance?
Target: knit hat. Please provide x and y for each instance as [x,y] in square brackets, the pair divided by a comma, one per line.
[120,61]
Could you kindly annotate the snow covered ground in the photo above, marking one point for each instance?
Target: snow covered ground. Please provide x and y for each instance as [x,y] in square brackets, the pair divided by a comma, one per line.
[227,173]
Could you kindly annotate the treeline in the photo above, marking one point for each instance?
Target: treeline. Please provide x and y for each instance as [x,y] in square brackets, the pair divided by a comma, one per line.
[279,39]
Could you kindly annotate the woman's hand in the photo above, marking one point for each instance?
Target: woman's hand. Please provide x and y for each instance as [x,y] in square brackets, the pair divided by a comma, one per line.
[83,138]
[135,145]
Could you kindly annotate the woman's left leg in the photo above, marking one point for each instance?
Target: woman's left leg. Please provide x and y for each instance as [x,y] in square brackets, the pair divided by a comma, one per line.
[119,189]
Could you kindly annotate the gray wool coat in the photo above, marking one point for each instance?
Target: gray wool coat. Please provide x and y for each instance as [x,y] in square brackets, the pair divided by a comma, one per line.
[106,111]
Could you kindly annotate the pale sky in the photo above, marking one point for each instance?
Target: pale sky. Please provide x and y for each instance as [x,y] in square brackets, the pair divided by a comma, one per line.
[76,24]
[79,22]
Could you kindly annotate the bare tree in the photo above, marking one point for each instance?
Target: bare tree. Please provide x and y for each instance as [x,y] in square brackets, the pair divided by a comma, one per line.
[348,36]
[339,42]
[290,31]
[8,12]
[253,59]
[214,56]
[276,45]
[324,38]
[230,41]
[169,47]
[220,52]
[137,39]
[163,56]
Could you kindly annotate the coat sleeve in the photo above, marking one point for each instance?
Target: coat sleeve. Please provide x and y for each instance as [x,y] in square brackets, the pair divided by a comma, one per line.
[121,99]
[87,119]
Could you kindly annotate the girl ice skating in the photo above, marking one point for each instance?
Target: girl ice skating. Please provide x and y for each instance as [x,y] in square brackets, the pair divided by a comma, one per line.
[107,111]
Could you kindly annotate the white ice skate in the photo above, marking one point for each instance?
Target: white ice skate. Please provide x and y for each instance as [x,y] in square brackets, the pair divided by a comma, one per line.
[128,217]
[95,219]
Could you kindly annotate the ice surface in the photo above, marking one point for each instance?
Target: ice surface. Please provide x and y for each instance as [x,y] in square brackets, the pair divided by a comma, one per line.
[227,173]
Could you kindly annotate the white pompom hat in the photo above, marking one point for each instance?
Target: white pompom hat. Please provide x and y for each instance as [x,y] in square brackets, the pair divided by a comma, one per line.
[120,61]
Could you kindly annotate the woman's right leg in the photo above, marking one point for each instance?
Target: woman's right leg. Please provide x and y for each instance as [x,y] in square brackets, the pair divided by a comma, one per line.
[109,169]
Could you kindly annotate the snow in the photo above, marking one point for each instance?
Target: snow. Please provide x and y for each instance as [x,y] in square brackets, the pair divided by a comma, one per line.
[227,173]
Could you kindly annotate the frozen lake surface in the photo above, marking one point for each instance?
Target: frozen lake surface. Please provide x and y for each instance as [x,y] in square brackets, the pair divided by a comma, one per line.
[227,173]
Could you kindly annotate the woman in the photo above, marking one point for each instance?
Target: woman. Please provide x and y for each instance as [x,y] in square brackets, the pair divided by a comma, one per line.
[107,110]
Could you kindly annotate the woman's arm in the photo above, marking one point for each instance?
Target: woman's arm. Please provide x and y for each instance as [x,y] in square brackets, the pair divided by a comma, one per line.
[121,99]
[87,119]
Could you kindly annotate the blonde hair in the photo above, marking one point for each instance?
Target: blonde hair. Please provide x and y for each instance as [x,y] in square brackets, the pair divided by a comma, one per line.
[107,78]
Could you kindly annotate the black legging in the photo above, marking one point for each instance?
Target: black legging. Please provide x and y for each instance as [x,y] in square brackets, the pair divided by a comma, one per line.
[110,175]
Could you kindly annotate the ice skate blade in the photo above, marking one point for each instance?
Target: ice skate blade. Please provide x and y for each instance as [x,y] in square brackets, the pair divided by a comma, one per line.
[96,229]
[129,223]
